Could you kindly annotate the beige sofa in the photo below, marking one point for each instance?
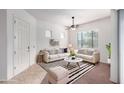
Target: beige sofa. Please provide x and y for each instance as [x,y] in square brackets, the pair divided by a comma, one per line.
[54,56]
[89,55]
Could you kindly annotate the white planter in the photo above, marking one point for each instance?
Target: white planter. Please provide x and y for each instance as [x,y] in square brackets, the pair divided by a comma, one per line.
[109,61]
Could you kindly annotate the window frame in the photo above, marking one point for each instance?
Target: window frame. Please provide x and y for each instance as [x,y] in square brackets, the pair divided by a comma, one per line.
[82,39]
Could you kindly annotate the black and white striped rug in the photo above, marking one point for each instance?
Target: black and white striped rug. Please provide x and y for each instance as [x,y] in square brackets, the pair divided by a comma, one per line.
[78,72]
[75,72]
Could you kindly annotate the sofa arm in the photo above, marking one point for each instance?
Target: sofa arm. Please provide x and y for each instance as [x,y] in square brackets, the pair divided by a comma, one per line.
[46,56]
[96,57]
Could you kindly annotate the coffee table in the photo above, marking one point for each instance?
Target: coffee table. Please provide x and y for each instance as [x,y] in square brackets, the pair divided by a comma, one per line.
[70,60]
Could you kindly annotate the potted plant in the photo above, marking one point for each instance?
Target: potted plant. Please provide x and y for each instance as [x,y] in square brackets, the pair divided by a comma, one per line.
[72,54]
[108,47]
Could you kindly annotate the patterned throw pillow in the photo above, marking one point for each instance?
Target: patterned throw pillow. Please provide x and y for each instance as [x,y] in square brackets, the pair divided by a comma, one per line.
[90,53]
[86,52]
[51,52]
[61,50]
[83,51]
[55,51]
[80,51]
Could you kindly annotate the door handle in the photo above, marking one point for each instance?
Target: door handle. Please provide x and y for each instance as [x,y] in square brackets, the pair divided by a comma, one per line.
[28,48]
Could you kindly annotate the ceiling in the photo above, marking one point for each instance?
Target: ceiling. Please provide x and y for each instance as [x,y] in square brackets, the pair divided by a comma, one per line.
[63,16]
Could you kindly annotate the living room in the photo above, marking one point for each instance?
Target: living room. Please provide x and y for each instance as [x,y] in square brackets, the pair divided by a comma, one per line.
[97,20]
[52,31]
[61,46]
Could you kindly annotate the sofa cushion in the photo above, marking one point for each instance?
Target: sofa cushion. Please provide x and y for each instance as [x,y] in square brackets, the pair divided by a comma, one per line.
[86,51]
[66,54]
[53,56]
[82,51]
[90,52]
[53,51]
[60,50]
[85,56]
[61,55]
[79,55]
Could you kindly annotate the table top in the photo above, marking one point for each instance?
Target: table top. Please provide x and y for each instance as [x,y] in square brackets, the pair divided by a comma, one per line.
[69,59]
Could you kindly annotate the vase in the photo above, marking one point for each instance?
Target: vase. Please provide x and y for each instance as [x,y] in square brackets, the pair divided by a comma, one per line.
[109,61]
[73,57]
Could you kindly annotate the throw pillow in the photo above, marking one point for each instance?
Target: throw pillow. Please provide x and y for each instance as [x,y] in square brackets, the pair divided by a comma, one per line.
[56,51]
[51,52]
[90,52]
[82,51]
[65,50]
[61,50]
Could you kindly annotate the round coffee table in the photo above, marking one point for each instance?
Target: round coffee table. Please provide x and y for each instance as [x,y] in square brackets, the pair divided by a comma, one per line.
[70,60]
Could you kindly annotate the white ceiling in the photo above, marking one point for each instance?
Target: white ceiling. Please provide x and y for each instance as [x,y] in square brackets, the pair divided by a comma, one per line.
[63,16]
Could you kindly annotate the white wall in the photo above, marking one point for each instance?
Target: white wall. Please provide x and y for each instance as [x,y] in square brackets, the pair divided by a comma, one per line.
[31,20]
[3,45]
[43,42]
[114,72]
[103,26]
[121,45]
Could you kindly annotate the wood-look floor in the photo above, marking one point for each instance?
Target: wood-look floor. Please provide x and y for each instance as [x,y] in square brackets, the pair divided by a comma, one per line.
[99,75]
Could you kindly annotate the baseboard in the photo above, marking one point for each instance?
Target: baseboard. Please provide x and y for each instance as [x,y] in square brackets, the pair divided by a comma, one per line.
[105,63]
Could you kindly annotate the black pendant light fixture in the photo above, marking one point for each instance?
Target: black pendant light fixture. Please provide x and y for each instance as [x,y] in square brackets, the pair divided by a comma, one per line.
[73,27]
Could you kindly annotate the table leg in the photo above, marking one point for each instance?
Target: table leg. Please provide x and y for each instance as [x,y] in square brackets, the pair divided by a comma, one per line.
[78,64]
[68,64]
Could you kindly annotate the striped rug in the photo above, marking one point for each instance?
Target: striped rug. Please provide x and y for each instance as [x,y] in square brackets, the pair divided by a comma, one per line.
[78,72]
[75,72]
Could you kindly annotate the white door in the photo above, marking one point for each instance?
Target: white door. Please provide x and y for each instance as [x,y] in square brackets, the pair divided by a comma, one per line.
[21,45]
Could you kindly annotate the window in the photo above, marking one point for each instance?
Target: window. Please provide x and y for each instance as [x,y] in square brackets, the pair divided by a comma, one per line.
[87,39]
